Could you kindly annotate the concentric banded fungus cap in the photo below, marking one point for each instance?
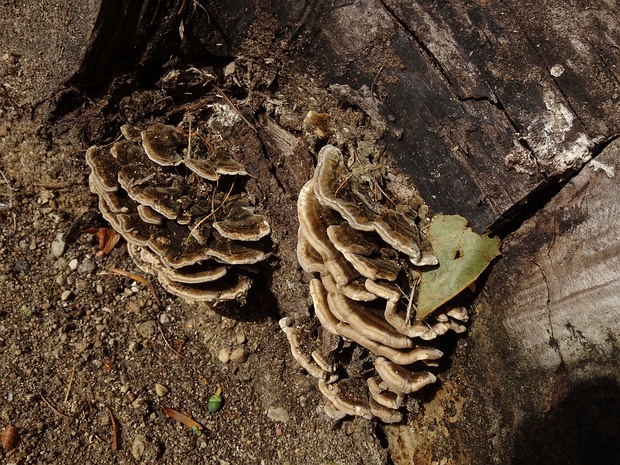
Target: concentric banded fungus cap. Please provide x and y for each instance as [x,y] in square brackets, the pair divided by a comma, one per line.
[242,224]
[163,144]
[399,379]
[192,232]
[348,396]
[336,188]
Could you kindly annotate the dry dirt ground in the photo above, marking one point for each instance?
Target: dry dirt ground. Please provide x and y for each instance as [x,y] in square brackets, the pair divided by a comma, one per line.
[80,346]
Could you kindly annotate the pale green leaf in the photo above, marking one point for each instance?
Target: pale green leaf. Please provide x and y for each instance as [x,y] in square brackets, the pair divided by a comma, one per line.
[462,256]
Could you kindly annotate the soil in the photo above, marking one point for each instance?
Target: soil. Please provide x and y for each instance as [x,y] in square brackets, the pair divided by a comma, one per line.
[83,350]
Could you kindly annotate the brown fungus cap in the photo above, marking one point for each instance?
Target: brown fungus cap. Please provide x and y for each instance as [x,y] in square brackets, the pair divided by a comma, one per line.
[160,191]
[399,379]
[163,144]
[335,187]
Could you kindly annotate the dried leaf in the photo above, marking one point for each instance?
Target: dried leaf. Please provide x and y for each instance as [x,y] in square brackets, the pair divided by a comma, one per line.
[462,256]
[106,239]
[187,421]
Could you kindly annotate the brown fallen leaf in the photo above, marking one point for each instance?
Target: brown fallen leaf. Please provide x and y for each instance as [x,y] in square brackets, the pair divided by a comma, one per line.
[106,239]
[187,421]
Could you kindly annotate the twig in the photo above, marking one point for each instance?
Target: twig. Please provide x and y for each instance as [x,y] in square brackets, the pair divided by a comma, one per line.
[410,305]
[70,384]
[114,430]
[374,81]
[213,211]
[221,92]
[138,278]
[58,412]
[161,331]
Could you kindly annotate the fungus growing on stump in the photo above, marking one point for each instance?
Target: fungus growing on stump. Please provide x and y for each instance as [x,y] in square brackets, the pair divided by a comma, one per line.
[366,256]
[181,206]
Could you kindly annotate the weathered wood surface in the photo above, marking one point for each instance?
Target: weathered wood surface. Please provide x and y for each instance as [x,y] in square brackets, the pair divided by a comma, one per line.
[482,113]
[538,379]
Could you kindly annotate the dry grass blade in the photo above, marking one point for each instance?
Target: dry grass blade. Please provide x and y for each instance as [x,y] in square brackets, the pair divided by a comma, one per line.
[221,92]
[161,331]
[187,421]
[58,412]
[6,198]
[70,384]
[214,211]
[139,279]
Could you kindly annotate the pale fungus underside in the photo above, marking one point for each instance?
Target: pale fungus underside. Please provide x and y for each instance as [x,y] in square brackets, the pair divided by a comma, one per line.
[367,256]
[180,204]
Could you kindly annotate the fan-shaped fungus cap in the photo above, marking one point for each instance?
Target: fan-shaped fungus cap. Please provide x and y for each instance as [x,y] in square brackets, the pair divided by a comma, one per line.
[104,170]
[293,337]
[165,212]
[231,287]
[308,258]
[163,143]
[362,320]
[242,224]
[385,414]
[348,398]
[399,379]
[335,189]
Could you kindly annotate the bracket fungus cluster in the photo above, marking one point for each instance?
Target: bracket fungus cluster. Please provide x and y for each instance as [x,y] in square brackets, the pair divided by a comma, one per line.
[181,205]
[365,254]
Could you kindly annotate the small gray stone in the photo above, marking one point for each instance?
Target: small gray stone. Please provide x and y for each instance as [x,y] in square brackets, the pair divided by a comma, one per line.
[65,295]
[73,264]
[87,266]
[61,279]
[58,246]
[147,329]
[278,414]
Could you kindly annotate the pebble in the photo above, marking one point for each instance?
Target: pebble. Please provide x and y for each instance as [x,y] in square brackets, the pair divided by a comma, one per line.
[21,265]
[164,318]
[87,266]
[81,285]
[139,446]
[61,279]
[240,338]
[161,390]
[58,246]
[278,414]
[239,355]
[66,294]
[224,355]
[73,264]
[124,388]
[147,329]
[99,288]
